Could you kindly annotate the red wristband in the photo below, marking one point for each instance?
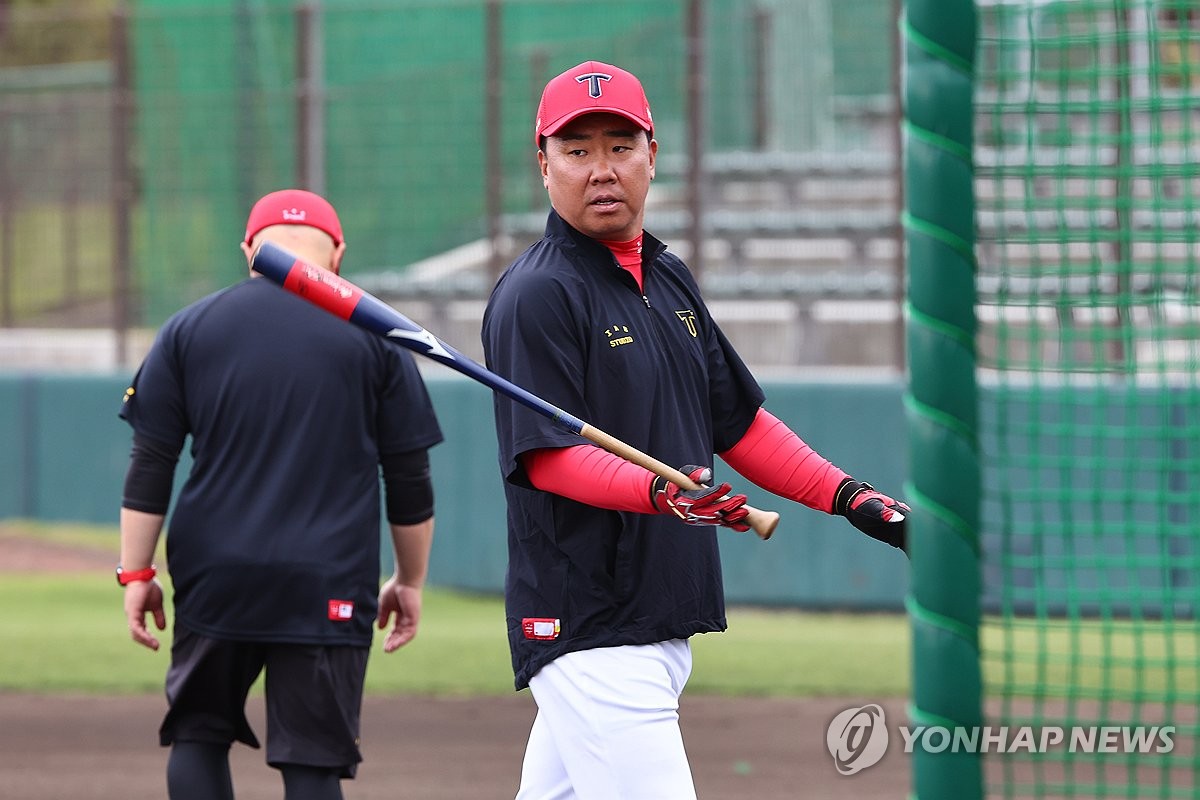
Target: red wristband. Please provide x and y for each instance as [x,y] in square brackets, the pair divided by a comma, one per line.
[126,577]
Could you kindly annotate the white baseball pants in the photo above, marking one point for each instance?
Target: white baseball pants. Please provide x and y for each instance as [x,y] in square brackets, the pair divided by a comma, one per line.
[607,726]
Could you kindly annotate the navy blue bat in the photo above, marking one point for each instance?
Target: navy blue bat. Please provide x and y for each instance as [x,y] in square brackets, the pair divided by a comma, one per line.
[342,298]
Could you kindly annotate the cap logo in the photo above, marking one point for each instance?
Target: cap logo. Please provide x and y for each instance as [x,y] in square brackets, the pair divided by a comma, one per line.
[294,215]
[593,81]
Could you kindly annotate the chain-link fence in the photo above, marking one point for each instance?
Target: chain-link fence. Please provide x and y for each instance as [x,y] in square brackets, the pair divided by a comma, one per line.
[133,142]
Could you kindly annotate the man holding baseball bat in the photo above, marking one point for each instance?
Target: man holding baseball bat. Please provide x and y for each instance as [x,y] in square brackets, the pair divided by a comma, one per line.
[273,546]
[611,568]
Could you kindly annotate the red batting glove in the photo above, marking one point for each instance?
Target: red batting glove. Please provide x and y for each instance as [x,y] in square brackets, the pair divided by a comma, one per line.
[708,505]
[873,513]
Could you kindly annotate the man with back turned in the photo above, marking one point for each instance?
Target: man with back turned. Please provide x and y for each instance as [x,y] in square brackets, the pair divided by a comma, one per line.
[273,545]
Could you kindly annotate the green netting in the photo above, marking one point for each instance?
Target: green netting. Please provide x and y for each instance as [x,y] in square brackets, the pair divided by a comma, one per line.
[1088,307]
[403,113]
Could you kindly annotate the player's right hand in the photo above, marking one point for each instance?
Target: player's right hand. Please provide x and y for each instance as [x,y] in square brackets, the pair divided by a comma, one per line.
[142,598]
[402,602]
[708,505]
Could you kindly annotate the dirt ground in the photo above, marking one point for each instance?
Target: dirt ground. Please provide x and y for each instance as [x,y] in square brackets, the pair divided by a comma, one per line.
[419,748]
[105,748]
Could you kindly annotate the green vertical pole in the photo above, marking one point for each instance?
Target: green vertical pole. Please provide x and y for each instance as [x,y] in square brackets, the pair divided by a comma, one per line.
[940,403]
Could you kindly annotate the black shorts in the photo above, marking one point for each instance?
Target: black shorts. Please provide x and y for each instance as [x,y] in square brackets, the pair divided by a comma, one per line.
[313,698]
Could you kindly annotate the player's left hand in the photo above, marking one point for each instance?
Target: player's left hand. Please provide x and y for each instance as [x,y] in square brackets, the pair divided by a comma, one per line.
[404,602]
[872,512]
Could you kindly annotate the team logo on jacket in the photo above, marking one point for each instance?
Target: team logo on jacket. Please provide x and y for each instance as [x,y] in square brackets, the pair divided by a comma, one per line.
[618,335]
[688,317]
[544,628]
[341,610]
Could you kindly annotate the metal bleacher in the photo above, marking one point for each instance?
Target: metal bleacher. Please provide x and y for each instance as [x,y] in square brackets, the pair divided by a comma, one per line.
[777,221]
[800,265]
[801,257]
[1087,258]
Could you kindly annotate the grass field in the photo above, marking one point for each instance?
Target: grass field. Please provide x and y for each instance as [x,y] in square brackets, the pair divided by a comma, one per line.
[66,632]
[69,635]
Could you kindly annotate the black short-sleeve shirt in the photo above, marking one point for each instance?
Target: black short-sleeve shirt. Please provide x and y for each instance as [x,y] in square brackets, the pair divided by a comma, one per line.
[654,370]
[275,535]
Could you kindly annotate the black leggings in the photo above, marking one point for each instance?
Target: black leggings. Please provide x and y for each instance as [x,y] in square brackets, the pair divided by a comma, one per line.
[200,771]
[311,783]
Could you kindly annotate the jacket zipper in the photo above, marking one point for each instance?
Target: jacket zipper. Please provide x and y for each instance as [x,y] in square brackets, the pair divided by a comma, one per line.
[617,264]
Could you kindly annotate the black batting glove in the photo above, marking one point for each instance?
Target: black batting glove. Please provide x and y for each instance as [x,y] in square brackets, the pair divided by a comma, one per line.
[872,512]
[708,505]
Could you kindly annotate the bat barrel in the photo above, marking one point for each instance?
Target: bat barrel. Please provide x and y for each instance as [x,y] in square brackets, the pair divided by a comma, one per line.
[272,261]
[342,298]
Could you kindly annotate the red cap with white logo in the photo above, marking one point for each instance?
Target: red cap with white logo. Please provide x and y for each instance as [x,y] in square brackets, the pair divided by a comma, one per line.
[294,207]
[588,88]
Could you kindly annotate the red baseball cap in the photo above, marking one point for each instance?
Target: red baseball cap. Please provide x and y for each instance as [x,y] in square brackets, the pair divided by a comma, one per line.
[590,87]
[294,207]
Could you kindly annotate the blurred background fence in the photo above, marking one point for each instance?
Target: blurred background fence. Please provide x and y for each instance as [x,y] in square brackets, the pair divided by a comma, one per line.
[135,136]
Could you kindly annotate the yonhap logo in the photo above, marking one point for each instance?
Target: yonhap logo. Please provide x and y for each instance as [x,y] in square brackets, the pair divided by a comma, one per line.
[857,738]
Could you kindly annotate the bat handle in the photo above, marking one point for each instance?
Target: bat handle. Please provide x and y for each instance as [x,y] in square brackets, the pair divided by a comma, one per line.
[761,522]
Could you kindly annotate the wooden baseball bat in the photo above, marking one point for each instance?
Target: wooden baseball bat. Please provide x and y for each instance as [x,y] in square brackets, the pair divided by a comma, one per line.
[342,298]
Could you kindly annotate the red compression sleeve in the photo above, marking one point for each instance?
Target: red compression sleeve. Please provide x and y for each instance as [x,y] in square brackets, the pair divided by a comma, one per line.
[772,456]
[591,475]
